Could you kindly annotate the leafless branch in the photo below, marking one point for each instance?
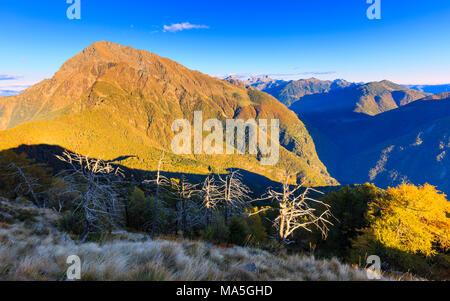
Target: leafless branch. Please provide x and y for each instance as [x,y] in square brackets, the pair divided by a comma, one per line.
[160,184]
[297,210]
[234,194]
[95,183]
[210,197]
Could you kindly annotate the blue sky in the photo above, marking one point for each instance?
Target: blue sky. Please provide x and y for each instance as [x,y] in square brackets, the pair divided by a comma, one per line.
[325,39]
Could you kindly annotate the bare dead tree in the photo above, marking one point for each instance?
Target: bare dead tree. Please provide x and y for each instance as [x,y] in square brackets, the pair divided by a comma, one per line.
[297,210]
[210,197]
[26,183]
[94,184]
[187,209]
[160,185]
[234,195]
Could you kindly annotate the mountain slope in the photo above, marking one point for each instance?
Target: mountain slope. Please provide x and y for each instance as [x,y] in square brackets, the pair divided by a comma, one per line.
[421,156]
[416,150]
[111,101]
[410,143]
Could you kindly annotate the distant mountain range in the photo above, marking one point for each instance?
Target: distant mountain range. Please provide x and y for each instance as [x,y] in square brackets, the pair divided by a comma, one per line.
[378,132]
[289,92]
[388,95]
[371,99]
[433,89]
[116,102]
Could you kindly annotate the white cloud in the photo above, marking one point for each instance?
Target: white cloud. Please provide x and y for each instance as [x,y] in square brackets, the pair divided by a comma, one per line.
[286,76]
[10,77]
[317,73]
[183,26]
[7,90]
[15,84]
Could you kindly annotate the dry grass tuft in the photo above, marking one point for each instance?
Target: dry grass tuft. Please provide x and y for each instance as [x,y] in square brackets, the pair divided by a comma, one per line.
[36,250]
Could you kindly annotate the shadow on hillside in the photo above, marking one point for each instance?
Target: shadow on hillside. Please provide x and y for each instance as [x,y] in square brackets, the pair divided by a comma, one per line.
[43,153]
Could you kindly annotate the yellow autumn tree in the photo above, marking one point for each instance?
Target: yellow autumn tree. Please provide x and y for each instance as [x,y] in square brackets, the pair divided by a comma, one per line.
[413,219]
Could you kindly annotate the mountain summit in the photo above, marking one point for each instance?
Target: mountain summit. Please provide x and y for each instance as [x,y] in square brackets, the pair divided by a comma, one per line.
[112,101]
[78,77]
